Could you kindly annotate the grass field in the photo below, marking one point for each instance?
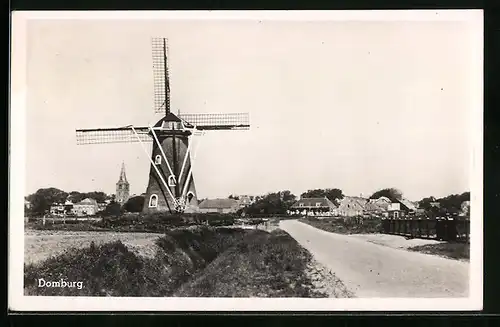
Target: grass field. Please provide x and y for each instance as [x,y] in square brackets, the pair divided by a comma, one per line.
[40,245]
[199,261]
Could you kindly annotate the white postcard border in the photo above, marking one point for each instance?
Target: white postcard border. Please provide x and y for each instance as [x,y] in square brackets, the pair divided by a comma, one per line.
[19,302]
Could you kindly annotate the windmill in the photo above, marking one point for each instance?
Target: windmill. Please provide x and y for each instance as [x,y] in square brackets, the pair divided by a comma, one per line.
[171,184]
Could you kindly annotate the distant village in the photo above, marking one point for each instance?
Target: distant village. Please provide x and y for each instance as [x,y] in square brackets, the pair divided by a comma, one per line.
[306,205]
[348,206]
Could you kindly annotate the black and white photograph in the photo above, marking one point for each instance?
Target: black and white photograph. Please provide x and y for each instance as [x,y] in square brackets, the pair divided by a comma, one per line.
[250,161]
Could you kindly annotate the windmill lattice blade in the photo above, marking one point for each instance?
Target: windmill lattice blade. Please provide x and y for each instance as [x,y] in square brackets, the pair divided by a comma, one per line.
[218,121]
[161,76]
[111,135]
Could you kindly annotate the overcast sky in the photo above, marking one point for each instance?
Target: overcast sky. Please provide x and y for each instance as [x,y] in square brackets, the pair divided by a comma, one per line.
[354,105]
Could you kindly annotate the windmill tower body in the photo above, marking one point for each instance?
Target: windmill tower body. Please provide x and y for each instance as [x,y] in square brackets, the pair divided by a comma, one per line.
[171,186]
[175,145]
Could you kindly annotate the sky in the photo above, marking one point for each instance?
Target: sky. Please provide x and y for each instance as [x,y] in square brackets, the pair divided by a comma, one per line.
[355,105]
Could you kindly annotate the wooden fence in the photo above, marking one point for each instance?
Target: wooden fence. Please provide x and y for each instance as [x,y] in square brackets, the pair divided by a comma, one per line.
[451,230]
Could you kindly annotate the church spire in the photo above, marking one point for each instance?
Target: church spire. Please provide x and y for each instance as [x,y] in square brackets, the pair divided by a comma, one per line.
[122,187]
[123,177]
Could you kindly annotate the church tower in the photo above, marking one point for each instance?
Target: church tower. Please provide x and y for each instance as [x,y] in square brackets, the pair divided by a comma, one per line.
[122,187]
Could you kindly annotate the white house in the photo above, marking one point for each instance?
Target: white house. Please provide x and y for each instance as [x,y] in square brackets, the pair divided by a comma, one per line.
[86,207]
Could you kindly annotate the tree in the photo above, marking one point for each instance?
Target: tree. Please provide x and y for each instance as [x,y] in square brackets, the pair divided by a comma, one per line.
[234,197]
[331,193]
[43,198]
[449,204]
[453,203]
[99,196]
[113,209]
[134,204]
[272,203]
[425,203]
[392,194]
[76,196]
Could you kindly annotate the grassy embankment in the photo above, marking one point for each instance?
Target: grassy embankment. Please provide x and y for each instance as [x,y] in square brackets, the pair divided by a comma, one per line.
[373,226]
[201,261]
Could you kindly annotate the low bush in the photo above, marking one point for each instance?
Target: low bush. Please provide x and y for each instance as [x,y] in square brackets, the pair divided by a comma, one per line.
[154,222]
[108,270]
[346,225]
[80,226]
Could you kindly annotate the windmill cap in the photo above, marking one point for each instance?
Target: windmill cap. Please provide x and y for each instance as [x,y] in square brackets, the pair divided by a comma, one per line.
[170,117]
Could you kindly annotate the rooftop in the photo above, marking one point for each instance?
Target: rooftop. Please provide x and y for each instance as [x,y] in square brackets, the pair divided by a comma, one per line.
[218,204]
[311,202]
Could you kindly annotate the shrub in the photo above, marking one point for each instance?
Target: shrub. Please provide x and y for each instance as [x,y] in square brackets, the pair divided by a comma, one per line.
[346,225]
[108,270]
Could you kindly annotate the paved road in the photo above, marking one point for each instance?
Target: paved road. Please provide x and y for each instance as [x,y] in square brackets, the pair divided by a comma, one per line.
[372,270]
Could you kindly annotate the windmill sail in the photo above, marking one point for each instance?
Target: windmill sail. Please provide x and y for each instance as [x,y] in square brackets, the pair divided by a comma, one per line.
[171,184]
[111,135]
[161,76]
[230,121]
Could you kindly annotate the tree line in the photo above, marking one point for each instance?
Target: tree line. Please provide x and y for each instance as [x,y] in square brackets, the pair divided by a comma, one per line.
[44,198]
[270,203]
[280,202]
[449,204]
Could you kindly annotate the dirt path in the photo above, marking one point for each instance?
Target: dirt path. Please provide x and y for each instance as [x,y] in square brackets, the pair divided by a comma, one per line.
[40,245]
[372,270]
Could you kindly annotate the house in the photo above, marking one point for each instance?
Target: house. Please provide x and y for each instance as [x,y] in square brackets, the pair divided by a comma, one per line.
[101,206]
[219,206]
[435,204]
[377,206]
[57,209]
[27,204]
[401,209]
[352,206]
[465,209]
[245,201]
[313,207]
[61,209]
[86,207]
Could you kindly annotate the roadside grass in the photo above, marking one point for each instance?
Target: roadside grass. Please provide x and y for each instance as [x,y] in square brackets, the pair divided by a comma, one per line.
[200,261]
[345,225]
[457,251]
